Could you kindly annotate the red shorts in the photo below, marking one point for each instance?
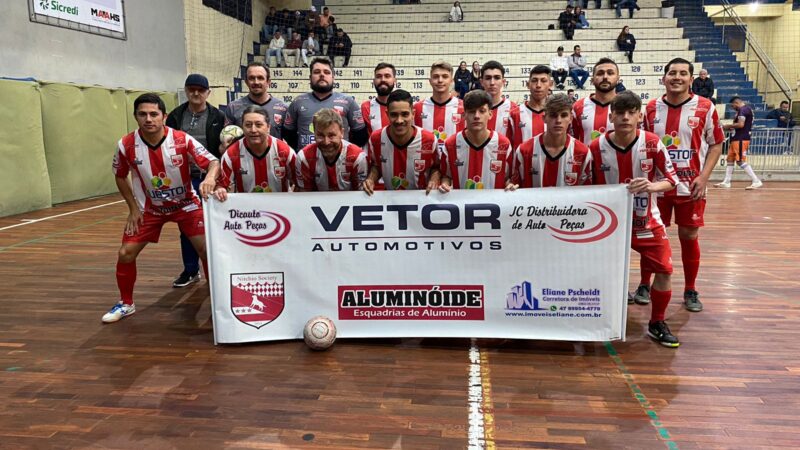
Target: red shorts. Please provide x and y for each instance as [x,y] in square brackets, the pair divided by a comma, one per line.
[190,223]
[688,212]
[655,251]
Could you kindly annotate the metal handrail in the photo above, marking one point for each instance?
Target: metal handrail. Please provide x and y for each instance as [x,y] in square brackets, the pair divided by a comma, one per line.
[762,56]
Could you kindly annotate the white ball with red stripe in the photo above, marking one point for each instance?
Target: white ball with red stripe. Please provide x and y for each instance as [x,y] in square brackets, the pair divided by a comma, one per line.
[319,333]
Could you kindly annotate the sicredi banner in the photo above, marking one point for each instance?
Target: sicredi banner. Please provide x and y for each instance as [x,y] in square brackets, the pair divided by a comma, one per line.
[105,14]
[531,264]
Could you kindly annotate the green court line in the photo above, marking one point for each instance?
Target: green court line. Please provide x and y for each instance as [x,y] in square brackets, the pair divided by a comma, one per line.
[46,237]
[640,397]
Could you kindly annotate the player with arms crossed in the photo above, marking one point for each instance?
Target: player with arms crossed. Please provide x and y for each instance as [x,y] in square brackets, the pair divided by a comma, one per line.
[374,111]
[639,159]
[330,163]
[552,158]
[688,126]
[258,162]
[531,115]
[405,154]
[475,158]
[590,117]
[442,114]
[158,159]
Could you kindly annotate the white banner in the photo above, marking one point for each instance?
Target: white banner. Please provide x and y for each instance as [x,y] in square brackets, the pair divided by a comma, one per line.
[531,264]
[106,14]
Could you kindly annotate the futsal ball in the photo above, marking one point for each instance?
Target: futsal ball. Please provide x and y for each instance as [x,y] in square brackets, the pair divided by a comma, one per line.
[319,333]
[230,133]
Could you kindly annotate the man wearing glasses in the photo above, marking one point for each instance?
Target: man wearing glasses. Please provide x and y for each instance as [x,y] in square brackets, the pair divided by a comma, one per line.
[203,122]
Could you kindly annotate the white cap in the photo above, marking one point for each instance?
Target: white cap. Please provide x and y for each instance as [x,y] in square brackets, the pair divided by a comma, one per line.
[313,8]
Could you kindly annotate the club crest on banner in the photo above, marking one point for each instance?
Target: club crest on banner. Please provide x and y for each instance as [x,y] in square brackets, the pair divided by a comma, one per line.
[257,298]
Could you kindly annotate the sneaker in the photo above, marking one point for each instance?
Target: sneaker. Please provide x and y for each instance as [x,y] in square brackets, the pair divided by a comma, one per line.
[642,296]
[659,331]
[630,298]
[755,185]
[691,301]
[118,311]
[185,279]
[724,184]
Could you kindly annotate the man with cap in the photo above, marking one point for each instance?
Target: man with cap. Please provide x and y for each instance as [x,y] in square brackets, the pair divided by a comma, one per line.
[203,122]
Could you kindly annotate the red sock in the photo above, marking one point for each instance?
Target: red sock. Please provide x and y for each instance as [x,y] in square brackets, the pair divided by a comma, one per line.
[690,255]
[660,301]
[646,275]
[126,277]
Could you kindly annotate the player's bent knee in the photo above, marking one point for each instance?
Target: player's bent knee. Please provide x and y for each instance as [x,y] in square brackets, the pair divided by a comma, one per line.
[662,282]
[688,233]
[128,253]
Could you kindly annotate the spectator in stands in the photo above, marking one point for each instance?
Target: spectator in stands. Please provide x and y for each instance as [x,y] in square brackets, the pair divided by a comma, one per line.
[283,17]
[626,42]
[476,76]
[340,45]
[270,24]
[324,24]
[456,13]
[577,67]
[311,22]
[294,23]
[559,65]
[463,79]
[704,86]
[310,47]
[572,95]
[580,18]
[276,48]
[566,22]
[203,122]
[782,115]
[293,49]
[630,4]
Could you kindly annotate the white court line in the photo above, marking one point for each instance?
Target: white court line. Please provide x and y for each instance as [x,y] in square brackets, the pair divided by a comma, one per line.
[30,221]
[476,432]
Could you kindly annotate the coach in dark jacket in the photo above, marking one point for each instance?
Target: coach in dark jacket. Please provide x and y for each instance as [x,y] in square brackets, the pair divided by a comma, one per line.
[704,86]
[340,45]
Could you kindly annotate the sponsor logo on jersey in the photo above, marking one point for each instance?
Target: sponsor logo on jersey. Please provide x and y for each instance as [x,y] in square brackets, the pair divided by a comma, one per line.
[523,300]
[411,302]
[257,299]
[257,228]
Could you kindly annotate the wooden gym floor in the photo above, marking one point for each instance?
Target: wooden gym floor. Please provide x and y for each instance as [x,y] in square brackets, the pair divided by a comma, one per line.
[156,381]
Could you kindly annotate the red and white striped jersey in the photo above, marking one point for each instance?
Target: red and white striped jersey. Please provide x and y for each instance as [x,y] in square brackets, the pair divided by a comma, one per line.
[471,166]
[375,115]
[532,166]
[245,172]
[404,165]
[161,180]
[687,130]
[531,123]
[646,157]
[346,173]
[441,119]
[590,119]
[505,117]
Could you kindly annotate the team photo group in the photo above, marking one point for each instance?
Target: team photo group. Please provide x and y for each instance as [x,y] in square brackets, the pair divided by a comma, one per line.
[663,151]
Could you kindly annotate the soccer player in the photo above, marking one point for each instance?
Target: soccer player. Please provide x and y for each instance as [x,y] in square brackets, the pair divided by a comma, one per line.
[330,163]
[403,153]
[552,158]
[531,117]
[737,152]
[441,113]
[374,111]
[688,126]
[298,130]
[158,159]
[258,162]
[257,78]
[505,113]
[476,157]
[639,159]
[590,116]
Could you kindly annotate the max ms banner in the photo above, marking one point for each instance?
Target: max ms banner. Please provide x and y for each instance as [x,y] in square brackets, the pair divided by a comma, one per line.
[531,264]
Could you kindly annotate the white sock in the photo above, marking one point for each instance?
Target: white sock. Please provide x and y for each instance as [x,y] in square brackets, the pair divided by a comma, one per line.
[749,171]
[728,173]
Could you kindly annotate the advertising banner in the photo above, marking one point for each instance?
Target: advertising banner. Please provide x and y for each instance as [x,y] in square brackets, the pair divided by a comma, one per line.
[105,14]
[531,264]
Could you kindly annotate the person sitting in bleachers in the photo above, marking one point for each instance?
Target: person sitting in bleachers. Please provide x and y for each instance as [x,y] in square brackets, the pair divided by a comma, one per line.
[276,48]
[310,48]
[324,30]
[456,13]
[580,16]
[559,65]
[577,67]
[476,76]
[630,4]
[704,86]
[292,50]
[782,115]
[626,42]
[270,24]
[566,22]
[340,45]
[463,79]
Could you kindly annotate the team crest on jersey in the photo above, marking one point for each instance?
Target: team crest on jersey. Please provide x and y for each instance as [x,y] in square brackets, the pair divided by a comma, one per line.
[257,299]
[506,121]
[456,118]
[340,110]
[280,172]
[176,160]
[571,178]
[277,118]
[693,122]
[419,165]
[496,165]
[647,165]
